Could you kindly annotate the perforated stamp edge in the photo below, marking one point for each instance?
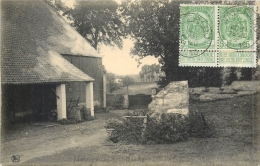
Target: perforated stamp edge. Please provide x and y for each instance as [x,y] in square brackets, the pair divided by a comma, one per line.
[254,65]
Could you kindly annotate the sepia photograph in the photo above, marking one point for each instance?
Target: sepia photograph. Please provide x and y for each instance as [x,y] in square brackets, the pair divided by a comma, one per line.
[130,83]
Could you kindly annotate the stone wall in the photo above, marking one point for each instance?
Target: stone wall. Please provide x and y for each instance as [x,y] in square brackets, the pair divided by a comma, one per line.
[246,85]
[236,89]
[174,98]
[114,100]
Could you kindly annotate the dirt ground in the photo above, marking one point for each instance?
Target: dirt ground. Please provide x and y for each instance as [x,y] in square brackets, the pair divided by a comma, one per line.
[87,144]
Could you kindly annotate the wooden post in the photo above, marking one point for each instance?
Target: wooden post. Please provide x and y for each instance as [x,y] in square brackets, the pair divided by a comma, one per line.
[61,101]
[144,126]
[126,101]
[90,98]
[104,91]
[144,122]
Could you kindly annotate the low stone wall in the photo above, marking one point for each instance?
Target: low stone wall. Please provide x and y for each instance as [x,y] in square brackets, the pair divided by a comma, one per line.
[115,100]
[236,89]
[174,98]
[211,97]
[246,85]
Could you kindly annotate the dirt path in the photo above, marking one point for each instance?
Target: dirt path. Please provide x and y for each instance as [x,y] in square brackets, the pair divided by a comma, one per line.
[53,147]
[34,141]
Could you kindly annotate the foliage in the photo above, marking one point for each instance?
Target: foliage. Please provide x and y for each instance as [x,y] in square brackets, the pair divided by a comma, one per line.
[232,76]
[199,76]
[171,128]
[57,5]
[147,72]
[141,75]
[128,132]
[212,77]
[114,101]
[246,74]
[127,81]
[100,109]
[97,21]
[111,82]
[155,26]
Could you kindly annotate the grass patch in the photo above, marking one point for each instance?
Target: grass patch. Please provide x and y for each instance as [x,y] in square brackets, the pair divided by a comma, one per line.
[230,140]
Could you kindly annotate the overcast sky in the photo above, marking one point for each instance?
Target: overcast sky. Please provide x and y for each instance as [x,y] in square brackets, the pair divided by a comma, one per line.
[120,61]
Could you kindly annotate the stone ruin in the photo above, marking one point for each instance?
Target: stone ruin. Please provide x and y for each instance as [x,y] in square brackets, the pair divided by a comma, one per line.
[174,98]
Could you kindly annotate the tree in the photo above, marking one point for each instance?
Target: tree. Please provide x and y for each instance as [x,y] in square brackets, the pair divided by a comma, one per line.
[127,81]
[212,77]
[57,5]
[157,71]
[144,70]
[232,76]
[111,82]
[141,74]
[246,74]
[147,72]
[97,21]
[152,76]
[148,77]
[155,26]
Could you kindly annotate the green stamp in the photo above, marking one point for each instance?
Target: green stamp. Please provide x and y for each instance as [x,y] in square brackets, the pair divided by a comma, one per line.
[236,27]
[197,27]
[190,58]
[217,35]
[245,59]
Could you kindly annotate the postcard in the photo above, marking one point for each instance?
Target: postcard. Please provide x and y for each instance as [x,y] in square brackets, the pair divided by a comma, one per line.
[130,82]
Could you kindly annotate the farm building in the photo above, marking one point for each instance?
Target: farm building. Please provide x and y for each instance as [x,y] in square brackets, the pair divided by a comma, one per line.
[45,63]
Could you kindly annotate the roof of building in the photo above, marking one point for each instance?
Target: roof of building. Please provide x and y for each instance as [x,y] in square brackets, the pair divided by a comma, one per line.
[33,39]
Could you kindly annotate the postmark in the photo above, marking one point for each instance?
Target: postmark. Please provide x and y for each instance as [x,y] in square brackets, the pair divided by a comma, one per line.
[15,158]
[236,28]
[197,27]
[215,35]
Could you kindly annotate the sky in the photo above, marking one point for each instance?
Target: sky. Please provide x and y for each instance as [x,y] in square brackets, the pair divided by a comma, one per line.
[120,62]
[69,3]
[117,61]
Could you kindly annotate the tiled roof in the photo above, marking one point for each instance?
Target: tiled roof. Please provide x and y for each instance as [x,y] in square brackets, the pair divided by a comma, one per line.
[33,37]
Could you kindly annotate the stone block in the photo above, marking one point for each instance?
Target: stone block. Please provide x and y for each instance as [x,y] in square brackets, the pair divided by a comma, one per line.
[184,111]
[174,98]
[197,91]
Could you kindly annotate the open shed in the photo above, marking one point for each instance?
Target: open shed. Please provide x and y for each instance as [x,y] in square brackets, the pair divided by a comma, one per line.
[40,51]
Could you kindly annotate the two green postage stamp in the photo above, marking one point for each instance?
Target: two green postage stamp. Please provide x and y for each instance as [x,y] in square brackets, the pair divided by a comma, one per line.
[217,36]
